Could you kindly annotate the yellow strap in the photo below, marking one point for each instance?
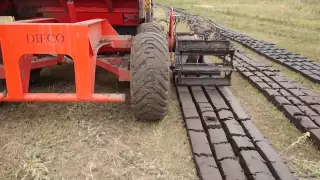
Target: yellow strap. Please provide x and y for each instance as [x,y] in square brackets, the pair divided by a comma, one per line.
[147,4]
[6,19]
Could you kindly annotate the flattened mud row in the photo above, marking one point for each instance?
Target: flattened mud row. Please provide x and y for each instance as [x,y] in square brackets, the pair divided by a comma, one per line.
[225,143]
[300,105]
[295,62]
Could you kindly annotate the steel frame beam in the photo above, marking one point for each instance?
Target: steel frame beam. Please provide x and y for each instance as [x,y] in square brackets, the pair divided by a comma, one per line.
[109,5]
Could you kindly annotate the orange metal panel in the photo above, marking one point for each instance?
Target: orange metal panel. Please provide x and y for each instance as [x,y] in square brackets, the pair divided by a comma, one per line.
[65,97]
[81,41]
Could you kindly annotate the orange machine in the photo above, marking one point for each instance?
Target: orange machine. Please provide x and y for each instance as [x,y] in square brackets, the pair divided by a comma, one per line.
[117,35]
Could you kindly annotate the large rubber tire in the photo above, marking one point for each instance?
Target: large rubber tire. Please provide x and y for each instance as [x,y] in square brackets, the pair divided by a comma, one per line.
[150,27]
[149,76]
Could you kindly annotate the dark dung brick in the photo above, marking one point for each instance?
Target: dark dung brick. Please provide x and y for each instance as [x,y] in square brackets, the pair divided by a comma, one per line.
[259,74]
[316,108]
[287,85]
[274,85]
[315,77]
[305,123]
[225,114]
[263,85]
[309,100]
[254,163]
[248,74]
[272,92]
[269,73]
[294,100]
[241,143]
[207,168]
[266,79]
[316,120]
[315,136]
[194,124]
[280,101]
[255,79]
[306,72]
[284,92]
[204,105]
[297,92]
[279,79]
[223,151]
[212,123]
[199,95]
[282,171]
[262,176]
[217,136]
[306,110]
[200,144]
[252,131]
[209,115]
[292,110]
[233,128]
[190,113]
[236,108]
[232,170]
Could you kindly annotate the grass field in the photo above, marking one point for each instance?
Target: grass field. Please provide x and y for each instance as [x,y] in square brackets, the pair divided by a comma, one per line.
[91,141]
[291,24]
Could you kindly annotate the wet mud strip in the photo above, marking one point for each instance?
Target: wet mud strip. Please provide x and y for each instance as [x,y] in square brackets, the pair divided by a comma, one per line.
[224,141]
[296,62]
[300,105]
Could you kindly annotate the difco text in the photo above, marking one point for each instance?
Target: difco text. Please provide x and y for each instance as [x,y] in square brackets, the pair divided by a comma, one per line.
[45,38]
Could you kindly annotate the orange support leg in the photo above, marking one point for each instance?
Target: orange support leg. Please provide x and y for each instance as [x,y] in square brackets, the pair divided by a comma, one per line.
[81,41]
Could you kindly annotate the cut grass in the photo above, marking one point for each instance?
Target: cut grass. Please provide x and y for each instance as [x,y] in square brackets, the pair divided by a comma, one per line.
[291,24]
[91,140]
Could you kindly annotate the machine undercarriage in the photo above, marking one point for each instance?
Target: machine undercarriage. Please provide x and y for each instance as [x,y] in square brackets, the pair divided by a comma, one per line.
[119,36]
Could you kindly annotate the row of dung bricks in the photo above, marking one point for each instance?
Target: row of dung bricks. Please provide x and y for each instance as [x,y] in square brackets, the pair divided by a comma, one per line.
[225,143]
[299,104]
[295,62]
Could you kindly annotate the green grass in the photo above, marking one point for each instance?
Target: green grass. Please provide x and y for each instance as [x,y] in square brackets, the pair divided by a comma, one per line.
[291,24]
